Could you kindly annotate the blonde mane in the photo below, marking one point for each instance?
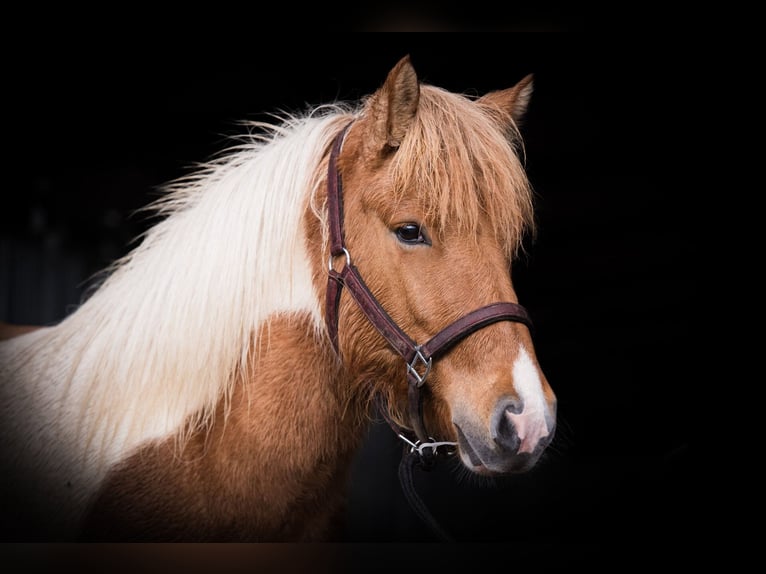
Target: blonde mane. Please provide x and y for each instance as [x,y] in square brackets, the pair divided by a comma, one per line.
[172,327]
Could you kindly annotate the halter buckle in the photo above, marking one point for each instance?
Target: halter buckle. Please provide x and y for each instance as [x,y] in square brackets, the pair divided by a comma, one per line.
[419,357]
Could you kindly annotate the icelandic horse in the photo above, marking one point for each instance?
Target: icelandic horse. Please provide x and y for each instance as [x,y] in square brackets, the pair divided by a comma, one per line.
[216,384]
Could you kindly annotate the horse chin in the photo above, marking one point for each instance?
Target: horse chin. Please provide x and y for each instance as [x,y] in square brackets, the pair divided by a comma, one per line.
[486,461]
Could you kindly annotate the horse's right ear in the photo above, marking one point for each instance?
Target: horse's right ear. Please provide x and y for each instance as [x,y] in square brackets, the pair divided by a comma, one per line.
[391,109]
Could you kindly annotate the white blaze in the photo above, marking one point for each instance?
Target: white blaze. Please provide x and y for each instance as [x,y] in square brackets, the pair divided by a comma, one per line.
[530,424]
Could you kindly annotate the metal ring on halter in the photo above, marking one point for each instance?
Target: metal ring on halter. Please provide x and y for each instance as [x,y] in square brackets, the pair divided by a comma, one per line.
[348,259]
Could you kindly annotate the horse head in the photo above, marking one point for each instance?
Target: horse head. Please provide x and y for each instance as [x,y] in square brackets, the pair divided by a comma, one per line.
[435,204]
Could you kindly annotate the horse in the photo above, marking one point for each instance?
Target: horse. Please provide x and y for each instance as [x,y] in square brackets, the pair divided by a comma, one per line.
[216,382]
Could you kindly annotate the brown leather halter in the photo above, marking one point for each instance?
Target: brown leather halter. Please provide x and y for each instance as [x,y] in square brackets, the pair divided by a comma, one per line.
[418,358]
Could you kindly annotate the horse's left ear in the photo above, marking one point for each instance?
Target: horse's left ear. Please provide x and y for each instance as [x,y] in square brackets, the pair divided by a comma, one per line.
[392,108]
[513,101]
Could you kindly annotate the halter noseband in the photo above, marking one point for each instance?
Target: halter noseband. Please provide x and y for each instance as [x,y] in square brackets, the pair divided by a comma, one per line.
[418,358]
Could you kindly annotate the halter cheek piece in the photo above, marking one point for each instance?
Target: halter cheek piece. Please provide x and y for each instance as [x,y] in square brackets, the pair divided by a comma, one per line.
[418,358]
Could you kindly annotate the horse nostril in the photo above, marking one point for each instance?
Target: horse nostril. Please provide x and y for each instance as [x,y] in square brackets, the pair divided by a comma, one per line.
[503,430]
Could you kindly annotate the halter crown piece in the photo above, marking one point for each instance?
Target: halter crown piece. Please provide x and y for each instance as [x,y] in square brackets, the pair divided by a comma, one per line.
[423,449]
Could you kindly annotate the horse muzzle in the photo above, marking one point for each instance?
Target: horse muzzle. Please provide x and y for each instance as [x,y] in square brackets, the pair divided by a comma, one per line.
[516,439]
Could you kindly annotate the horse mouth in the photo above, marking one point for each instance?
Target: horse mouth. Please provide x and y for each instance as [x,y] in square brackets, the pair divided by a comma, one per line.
[476,464]
[489,461]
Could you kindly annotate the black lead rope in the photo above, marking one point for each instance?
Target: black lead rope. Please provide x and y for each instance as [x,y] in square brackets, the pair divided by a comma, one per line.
[411,458]
[406,477]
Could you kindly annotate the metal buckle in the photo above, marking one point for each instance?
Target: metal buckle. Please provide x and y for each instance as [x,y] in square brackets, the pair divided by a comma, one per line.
[411,366]
[434,445]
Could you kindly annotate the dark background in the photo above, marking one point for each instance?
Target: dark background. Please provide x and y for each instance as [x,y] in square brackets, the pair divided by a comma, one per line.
[608,281]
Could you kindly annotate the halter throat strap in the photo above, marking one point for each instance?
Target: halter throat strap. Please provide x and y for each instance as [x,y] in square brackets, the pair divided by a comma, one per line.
[418,358]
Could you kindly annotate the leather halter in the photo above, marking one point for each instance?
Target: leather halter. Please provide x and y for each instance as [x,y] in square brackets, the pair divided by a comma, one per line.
[418,358]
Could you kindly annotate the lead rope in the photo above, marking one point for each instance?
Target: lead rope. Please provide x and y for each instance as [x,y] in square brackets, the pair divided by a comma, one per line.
[415,455]
[406,478]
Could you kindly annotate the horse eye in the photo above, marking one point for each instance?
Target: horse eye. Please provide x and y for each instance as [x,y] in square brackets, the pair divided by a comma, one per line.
[411,233]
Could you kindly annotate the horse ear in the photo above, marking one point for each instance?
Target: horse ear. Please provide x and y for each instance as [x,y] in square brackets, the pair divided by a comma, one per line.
[393,106]
[513,101]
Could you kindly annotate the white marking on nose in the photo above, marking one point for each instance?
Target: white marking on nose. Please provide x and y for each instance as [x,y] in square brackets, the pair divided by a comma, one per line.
[530,423]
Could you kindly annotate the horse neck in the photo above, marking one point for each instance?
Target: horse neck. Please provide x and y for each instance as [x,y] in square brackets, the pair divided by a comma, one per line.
[298,406]
[271,468]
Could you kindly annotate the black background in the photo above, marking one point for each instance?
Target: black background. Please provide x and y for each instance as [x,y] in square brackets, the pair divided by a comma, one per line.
[608,281]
